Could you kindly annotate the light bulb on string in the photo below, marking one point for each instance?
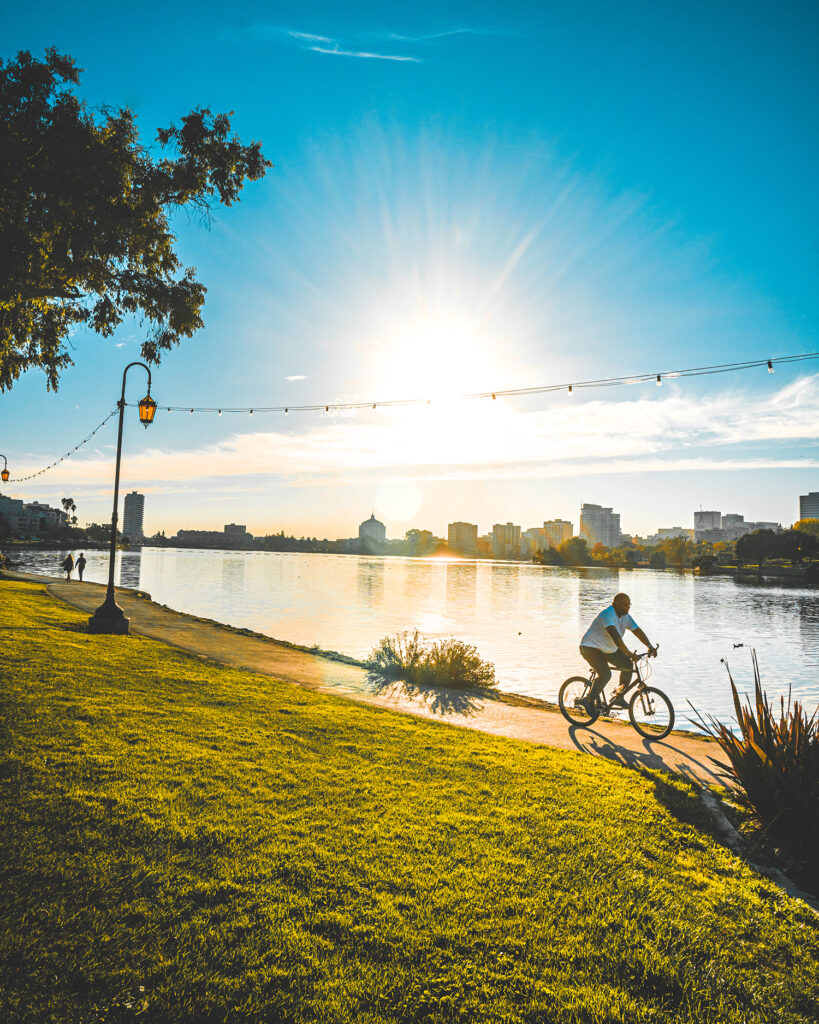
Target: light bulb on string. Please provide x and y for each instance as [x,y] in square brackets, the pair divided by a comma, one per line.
[770,367]
[659,381]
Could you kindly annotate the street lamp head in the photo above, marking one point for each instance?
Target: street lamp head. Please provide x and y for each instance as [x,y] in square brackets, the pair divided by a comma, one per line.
[147,408]
[4,474]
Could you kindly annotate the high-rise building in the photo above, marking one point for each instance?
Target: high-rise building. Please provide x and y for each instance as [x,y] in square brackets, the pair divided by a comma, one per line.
[132,515]
[704,521]
[505,540]
[599,525]
[556,531]
[809,505]
[462,538]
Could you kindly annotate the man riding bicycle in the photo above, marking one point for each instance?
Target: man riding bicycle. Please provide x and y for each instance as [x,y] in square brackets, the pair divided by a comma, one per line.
[602,646]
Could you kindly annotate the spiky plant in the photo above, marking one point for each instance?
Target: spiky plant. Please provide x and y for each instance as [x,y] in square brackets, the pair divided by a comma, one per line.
[774,767]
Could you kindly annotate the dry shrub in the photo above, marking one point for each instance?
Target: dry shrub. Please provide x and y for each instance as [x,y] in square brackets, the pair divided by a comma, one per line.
[450,662]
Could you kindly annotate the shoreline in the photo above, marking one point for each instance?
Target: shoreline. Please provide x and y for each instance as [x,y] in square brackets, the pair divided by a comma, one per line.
[684,752]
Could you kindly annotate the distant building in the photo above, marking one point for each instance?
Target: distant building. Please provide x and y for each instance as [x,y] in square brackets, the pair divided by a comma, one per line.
[505,540]
[235,530]
[371,535]
[672,532]
[532,541]
[706,521]
[599,525]
[462,538]
[372,529]
[715,528]
[556,531]
[809,505]
[132,514]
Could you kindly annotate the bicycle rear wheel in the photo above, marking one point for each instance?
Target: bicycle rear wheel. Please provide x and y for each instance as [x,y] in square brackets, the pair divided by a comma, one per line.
[571,692]
[651,713]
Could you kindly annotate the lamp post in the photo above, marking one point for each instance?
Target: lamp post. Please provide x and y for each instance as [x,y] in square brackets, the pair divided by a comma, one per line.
[109,617]
[4,472]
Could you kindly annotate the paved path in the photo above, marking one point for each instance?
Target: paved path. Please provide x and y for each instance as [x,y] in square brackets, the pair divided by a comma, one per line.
[517,718]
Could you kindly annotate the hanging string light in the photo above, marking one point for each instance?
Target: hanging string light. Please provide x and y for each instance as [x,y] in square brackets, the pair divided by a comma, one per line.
[68,454]
[604,382]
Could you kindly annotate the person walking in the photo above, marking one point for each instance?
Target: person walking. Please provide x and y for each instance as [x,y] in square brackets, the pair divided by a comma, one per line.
[602,646]
[68,565]
[80,565]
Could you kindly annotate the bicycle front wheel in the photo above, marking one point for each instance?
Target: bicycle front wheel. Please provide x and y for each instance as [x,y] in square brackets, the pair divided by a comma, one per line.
[651,713]
[571,693]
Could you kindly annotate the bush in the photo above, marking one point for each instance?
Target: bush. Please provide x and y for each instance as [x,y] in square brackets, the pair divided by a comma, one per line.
[448,662]
[775,769]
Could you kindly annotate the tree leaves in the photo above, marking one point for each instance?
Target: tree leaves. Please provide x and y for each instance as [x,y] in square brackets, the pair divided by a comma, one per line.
[84,232]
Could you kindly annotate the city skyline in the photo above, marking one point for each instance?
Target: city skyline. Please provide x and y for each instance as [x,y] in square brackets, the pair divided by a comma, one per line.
[463,535]
[463,201]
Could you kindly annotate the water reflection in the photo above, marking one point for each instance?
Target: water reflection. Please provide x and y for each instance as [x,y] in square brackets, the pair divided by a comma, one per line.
[233,574]
[461,584]
[130,567]
[370,580]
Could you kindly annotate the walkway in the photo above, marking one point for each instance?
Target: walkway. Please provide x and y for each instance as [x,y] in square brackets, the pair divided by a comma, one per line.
[518,718]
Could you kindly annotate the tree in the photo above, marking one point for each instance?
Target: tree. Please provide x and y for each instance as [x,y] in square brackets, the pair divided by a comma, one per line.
[420,542]
[658,559]
[70,509]
[796,545]
[548,556]
[807,526]
[84,216]
[575,551]
[677,550]
[754,548]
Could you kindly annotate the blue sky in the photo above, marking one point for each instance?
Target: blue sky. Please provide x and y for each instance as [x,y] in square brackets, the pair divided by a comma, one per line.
[464,197]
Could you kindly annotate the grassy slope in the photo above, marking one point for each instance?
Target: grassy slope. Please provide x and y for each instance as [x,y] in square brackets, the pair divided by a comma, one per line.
[184,842]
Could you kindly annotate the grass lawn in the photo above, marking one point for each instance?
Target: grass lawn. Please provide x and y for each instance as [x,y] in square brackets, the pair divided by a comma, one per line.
[185,842]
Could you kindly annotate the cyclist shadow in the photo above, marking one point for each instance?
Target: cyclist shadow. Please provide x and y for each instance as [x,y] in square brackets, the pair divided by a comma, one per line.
[654,755]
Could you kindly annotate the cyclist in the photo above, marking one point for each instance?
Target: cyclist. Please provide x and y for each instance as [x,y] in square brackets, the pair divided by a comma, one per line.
[602,646]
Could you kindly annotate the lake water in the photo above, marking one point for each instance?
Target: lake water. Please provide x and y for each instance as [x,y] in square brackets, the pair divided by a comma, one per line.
[526,619]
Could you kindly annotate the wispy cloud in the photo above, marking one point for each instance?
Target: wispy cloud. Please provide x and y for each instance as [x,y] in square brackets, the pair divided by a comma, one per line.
[338,52]
[308,37]
[363,45]
[296,376]
[331,45]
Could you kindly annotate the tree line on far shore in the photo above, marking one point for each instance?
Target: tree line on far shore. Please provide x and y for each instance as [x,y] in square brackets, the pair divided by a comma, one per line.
[797,545]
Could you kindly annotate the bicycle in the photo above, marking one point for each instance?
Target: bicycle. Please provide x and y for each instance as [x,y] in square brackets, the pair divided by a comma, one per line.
[649,709]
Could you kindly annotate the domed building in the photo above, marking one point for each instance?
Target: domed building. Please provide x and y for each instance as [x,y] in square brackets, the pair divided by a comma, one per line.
[371,530]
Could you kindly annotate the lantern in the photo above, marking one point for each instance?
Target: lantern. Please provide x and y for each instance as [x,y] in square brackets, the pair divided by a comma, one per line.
[147,408]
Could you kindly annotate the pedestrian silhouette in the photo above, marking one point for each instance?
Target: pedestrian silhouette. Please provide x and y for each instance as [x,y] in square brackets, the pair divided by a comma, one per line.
[68,565]
[80,564]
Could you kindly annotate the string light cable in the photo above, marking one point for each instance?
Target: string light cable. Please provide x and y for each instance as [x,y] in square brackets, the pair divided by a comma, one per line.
[543,389]
[68,454]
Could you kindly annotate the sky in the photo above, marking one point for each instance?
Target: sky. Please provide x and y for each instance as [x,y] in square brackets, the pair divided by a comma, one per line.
[464,198]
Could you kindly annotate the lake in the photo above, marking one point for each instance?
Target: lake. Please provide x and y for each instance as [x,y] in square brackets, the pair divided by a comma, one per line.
[526,619]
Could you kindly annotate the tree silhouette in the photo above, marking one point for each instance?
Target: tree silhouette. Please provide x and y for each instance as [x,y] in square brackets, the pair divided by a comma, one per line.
[84,231]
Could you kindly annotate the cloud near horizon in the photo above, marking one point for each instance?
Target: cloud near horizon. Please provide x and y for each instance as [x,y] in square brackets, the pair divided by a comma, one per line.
[481,440]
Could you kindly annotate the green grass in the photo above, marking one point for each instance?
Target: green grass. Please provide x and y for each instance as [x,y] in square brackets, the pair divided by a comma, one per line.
[184,842]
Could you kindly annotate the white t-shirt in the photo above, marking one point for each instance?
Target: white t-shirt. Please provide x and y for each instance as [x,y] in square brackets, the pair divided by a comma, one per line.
[596,635]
